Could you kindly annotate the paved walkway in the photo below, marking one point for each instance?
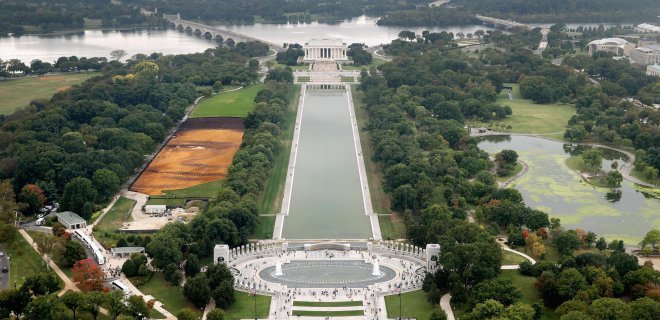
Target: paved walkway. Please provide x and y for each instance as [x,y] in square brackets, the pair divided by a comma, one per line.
[445,305]
[364,184]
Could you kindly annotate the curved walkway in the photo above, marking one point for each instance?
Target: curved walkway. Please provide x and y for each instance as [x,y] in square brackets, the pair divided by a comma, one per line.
[515,177]
[445,305]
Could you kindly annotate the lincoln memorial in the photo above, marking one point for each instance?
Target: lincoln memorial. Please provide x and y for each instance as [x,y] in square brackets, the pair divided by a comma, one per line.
[325,50]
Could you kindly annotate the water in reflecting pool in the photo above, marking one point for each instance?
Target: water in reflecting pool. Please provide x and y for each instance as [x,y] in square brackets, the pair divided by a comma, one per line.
[551,186]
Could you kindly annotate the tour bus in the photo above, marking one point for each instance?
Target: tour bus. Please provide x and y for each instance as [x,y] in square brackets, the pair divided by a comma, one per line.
[98,255]
[118,285]
[40,221]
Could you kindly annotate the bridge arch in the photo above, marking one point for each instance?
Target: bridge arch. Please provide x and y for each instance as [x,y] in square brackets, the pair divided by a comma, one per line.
[208,35]
[197,32]
[188,29]
[179,27]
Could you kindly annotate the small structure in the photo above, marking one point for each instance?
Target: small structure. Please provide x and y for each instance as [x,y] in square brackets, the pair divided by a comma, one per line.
[71,220]
[646,41]
[221,254]
[617,46]
[432,253]
[126,251]
[646,55]
[653,70]
[155,208]
[647,28]
[333,50]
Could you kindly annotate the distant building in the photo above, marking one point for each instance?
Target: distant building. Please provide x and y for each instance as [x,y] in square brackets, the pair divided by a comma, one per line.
[71,220]
[646,55]
[647,28]
[617,46]
[653,70]
[646,41]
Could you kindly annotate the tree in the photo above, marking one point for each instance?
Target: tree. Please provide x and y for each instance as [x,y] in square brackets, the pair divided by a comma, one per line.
[215,314]
[569,282]
[613,179]
[407,35]
[73,251]
[88,275]
[77,193]
[609,309]
[8,211]
[644,309]
[92,303]
[137,308]
[41,284]
[13,300]
[601,244]
[118,54]
[438,315]
[575,315]
[45,307]
[114,303]
[192,266]
[129,268]
[106,183]
[592,159]
[498,289]
[224,295]
[47,245]
[73,300]
[197,290]
[187,314]
[33,197]
[651,239]
[488,309]
[567,242]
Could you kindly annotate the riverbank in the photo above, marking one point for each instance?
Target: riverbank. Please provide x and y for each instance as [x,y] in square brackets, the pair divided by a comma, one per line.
[82,30]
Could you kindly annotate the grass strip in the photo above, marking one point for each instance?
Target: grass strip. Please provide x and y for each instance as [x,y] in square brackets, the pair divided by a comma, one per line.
[328,304]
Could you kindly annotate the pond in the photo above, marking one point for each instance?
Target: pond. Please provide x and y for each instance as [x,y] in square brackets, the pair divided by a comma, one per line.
[549,185]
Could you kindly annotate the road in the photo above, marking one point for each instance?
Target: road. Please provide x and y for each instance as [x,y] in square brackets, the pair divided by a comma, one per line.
[4,277]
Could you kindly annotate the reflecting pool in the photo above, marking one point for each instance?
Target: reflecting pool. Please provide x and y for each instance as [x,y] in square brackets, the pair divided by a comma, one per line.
[327,274]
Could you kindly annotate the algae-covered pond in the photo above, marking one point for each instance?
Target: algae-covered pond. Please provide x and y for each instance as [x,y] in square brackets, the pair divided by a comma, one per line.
[551,186]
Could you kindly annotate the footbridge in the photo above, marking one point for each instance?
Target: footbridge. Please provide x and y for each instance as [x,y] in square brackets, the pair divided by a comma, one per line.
[211,32]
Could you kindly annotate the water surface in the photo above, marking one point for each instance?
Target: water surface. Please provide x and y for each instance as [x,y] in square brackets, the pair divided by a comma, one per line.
[326,198]
[551,186]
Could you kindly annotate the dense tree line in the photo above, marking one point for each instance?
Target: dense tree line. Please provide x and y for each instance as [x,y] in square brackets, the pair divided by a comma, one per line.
[250,11]
[360,56]
[79,146]
[291,55]
[67,14]
[428,17]
[565,11]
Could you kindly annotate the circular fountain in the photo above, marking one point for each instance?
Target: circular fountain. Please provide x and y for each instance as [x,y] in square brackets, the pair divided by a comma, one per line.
[278,269]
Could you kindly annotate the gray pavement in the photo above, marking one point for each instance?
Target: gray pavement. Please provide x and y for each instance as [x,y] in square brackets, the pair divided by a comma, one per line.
[4,277]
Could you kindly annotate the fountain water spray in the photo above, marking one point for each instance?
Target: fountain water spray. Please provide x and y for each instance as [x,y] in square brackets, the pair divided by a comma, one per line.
[278,269]
[376,269]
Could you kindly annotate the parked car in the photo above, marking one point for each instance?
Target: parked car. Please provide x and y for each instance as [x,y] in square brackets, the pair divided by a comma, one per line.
[5,270]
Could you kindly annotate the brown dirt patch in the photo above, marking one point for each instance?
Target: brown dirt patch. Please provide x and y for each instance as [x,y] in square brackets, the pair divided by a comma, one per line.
[60,89]
[201,151]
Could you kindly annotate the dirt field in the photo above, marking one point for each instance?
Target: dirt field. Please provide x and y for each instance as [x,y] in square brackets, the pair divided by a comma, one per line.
[201,151]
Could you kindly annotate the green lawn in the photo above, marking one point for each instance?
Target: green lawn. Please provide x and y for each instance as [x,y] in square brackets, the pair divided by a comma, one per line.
[526,285]
[344,313]
[413,305]
[303,79]
[24,261]
[515,171]
[243,308]
[509,258]
[204,190]
[92,23]
[530,117]
[576,163]
[120,212]
[172,297]
[117,215]
[641,176]
[347,79]
[328,304]
[392,226]
[374,63]
[16,94]
[228,104]
[265,227]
